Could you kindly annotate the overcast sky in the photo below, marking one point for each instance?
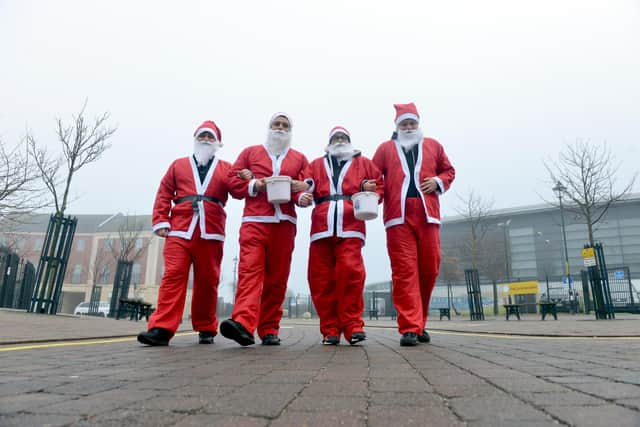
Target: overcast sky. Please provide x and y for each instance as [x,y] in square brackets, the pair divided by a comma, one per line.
[502,85]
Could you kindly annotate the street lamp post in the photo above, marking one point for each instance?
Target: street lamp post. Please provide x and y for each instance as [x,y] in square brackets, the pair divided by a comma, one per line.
[507,249]
[560,189]
[235,277]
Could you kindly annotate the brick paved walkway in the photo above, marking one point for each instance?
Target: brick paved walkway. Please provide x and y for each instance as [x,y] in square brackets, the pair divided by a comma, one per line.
[459,379]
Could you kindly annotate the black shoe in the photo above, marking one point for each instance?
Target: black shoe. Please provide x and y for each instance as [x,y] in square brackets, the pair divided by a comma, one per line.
[235,331]
[424,338]
[409,339]
[270,339]
[205,337]
[331,340]
[356,337]
[155,337]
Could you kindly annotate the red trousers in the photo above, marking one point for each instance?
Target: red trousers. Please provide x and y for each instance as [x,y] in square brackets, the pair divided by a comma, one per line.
[414,251]
[336,280]
[179,254]
[263,271]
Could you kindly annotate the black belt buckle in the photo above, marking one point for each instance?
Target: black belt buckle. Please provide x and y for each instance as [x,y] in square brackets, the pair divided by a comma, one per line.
[194,205]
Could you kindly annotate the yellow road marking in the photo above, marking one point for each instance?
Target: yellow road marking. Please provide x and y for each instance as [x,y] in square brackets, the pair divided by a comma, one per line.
[77,343]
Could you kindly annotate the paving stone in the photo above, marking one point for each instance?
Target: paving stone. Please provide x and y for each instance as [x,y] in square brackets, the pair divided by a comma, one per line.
[401,384]
[568,398]
[497,405]
[420,416]
[321,419]
[609,390]
[36,420]
[596,416]
[328,403]
[27,401]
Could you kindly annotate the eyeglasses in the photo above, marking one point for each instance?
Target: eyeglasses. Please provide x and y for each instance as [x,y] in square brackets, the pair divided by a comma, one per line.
[339,137]
[206,135]
[280,124]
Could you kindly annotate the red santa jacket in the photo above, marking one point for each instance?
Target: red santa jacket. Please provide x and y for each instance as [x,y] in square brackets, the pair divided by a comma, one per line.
[182,180]
[432,162]
[352,175]
[259,161]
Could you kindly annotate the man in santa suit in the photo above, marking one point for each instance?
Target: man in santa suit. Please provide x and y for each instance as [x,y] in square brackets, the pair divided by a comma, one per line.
[267,235]
[189,213]
[416,172]
[336,271]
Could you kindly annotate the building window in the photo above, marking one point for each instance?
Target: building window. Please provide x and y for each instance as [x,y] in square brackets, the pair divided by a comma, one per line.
[80,245]
[104,275]
[76,275]
[135,273]
[139,243]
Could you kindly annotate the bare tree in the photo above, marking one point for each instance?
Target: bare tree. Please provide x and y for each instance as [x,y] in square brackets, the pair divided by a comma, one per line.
[474,210]
[101,260]
[493,258]
[450,271]
[19,190]
[83,142]
[131,243]
[587,173]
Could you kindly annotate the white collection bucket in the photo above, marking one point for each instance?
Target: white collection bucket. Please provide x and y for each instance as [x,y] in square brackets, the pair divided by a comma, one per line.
[365,205]
[278,189]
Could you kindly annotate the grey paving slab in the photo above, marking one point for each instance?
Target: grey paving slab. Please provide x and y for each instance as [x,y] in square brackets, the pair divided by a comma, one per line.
[459,379]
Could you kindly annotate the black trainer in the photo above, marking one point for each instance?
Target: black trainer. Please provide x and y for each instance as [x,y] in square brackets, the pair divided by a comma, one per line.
[409,339]
[235,331]
[424,337]
[205,337]
[356,337]
[155,337]
[270,339]
[331,340]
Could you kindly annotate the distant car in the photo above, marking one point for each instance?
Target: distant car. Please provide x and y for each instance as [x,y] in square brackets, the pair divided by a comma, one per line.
[83,309]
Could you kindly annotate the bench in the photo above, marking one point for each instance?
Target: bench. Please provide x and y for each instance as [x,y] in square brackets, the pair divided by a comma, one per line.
[445,312]
[548,308]
[134,309]
[512,309]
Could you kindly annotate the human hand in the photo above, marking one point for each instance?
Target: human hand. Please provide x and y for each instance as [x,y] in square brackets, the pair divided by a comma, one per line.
[260,185]
[298,185]
[429,185]
[306,199]
[245,174]
[369,185]
[162,232]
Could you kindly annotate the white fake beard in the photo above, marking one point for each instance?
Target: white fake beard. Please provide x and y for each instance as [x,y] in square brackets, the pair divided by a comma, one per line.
[409,138]
[277,141]
[204,151]
[341,151]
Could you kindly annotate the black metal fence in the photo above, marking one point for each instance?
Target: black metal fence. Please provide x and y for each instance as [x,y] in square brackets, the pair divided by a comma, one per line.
[17,281]
[53,264]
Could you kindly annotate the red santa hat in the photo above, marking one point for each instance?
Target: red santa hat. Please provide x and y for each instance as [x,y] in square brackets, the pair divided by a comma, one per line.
[339,129]
[281,114]
[406,111]
[209,126]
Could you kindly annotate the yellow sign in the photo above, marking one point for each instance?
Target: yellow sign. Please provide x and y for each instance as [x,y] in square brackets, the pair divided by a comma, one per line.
[523,288]
[588,253]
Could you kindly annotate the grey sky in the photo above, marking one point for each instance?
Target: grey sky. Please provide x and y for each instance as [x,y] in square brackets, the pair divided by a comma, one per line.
[502,84]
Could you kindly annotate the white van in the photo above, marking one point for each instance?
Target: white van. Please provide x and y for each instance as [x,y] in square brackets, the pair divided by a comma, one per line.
[83,309]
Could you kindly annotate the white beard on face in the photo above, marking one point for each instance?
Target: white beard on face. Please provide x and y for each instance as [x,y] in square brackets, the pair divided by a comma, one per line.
[341,151]
[204,151]
[277,141]
[409,138]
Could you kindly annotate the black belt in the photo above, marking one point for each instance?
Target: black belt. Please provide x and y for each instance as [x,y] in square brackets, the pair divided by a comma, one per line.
[197,198]
[333,197]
